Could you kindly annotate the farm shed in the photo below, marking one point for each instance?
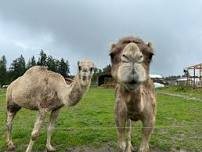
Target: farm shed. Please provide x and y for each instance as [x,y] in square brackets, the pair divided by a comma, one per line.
[104,79]
[182,81]
[194,75]
[107,80]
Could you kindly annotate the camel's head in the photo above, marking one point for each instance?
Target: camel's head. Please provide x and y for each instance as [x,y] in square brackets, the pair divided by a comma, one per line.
[130,59]
[85,71]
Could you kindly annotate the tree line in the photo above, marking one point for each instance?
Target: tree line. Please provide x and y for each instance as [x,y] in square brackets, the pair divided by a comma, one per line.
[19,66]
[98,72]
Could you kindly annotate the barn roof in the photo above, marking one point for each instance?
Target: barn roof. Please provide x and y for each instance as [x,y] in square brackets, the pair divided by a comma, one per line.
[196,66]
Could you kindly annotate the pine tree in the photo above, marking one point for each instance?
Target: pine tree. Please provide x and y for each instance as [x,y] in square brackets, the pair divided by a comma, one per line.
[17,67]
[51,63]
[63,68]
[31,62]
[42,59]
[3,71]
[107,69]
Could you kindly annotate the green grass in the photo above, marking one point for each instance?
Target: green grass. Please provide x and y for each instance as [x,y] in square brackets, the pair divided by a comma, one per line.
[178,125]
[187,91]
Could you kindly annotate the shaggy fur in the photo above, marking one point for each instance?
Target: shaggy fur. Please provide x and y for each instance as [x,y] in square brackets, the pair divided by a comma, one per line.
[135,96]
[44,91]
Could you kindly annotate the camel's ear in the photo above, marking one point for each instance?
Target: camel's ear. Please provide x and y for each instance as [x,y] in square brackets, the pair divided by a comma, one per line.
[149,44]
[112,47]
[79,67]
[92,69]
[150,51]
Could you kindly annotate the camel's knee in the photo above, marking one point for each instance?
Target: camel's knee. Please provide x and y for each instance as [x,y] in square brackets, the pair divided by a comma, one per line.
[35,135]
[149,124]
[12,107]
[10,146]
[9,125]
[122,145]
[50,128]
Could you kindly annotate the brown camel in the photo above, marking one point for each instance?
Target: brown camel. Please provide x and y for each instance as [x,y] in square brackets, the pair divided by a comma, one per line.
[135,96]
[44,91]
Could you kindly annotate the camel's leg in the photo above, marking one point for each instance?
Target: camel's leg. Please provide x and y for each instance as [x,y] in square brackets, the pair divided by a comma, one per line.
[10,117]
[36,129]
[53,118]
[12,109]
[129,134]
[121,118]
[148,125]
[121,134]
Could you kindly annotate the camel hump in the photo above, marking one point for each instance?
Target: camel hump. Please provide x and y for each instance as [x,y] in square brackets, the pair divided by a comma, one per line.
[36,69]
[42,72]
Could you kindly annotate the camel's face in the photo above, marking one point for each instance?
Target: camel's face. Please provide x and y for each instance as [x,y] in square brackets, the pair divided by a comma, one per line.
[130,63]
[131,71]
[86,69]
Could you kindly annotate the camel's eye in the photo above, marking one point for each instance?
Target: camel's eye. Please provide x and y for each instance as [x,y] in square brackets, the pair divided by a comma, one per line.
[124,59]
[91,69]
[141,59]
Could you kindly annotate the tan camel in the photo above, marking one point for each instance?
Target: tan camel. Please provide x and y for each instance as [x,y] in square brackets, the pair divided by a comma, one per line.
[135,96]
[44,91]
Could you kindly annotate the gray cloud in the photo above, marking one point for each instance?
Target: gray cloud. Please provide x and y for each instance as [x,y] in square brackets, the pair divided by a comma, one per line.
[85,29]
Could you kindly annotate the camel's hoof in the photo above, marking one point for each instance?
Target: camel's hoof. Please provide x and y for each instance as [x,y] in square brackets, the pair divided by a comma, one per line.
[134,149]
[130,149]
[11,147]
[50,148]
[144,150]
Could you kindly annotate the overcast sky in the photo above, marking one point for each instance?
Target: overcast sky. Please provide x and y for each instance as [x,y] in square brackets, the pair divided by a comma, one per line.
[77,29]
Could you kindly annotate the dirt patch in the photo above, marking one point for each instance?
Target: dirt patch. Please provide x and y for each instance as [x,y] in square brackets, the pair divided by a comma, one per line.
[85,149]
[111,149]
[104,148]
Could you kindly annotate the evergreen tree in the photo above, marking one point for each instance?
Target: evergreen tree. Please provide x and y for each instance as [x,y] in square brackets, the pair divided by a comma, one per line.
[107,69]
[31,62]
[63,68]
[3,71]
[57,65]
[42,59]
[17,67]
[96,73]
[51,63]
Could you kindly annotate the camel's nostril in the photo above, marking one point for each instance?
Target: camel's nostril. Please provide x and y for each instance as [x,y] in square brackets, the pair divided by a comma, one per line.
[84,78]
[133,82]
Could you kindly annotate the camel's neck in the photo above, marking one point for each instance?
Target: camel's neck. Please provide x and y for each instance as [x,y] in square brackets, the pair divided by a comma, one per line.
[76,92]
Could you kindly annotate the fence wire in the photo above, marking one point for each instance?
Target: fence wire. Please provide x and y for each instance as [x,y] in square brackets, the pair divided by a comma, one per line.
[108,127]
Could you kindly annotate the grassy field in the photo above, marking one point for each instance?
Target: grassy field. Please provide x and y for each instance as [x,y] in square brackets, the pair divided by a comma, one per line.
[91,124]
[186,91]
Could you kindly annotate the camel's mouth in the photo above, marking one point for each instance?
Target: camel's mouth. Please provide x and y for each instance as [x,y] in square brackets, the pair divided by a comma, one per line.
[84,78]
[133,82]
[132,85]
